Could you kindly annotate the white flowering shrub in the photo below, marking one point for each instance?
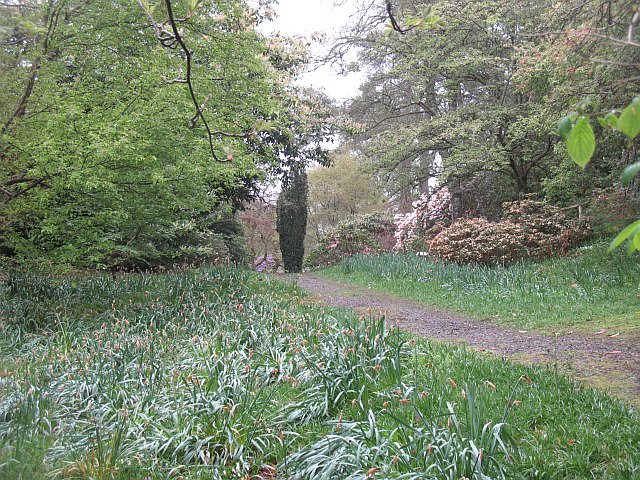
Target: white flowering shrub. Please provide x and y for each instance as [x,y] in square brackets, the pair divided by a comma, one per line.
[427,211]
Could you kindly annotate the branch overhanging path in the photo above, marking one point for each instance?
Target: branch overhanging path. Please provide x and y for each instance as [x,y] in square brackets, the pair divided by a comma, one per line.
[173,39]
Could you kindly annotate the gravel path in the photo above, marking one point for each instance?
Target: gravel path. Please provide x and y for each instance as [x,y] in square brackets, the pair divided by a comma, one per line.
[612,363]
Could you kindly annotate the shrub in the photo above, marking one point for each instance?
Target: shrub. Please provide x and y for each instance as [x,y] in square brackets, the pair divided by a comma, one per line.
[529,229]
[227,225]
[214,238]
[366,234]
[427,211]
[612,207]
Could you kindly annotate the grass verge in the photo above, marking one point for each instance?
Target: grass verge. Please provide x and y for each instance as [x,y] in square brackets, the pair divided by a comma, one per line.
[588,291]
[221,373]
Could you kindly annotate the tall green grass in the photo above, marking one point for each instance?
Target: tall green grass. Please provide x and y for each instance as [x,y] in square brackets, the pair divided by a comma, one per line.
[222,374]
[591,289]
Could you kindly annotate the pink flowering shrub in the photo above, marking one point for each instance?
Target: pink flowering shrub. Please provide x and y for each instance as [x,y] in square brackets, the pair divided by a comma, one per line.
[365,235]
[412,226]
[529,229]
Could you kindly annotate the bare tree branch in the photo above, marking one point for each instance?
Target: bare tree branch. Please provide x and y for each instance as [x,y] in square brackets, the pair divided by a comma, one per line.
[51,22]
[633,25]
[617,41]
[394,23]
[172,38]
[178,38]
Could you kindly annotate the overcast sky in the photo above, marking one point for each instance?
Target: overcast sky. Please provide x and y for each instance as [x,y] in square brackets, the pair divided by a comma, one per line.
[304,17]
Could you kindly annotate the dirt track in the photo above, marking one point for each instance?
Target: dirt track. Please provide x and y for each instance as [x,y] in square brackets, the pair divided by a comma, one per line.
[612,363]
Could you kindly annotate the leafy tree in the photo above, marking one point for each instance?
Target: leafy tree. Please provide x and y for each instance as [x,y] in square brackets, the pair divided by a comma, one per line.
[474,100]
[102,156]
[576,128]
[577,131]
[292,218]
[585,55]
[446,94]
[340,192]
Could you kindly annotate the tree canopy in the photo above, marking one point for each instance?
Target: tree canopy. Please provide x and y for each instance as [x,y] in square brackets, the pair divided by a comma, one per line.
[129,130]
[339,193]
[471,92]
[102,156]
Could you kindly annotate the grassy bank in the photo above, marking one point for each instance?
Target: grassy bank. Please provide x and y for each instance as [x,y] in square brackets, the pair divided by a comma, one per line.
[226,374]
[588,291]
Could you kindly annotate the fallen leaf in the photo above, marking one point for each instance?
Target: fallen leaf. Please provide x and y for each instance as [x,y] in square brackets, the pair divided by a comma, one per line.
[371,472]
[527,379]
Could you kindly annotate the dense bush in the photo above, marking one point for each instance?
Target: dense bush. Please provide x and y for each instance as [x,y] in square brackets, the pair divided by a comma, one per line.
[611,207]
[365,234]
[427,211]
[529,229]
[214,238]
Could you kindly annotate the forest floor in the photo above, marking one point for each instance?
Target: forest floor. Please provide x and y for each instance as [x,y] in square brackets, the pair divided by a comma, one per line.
[599,360]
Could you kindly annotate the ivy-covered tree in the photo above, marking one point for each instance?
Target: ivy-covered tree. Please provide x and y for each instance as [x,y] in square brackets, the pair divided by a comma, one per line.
[292,218]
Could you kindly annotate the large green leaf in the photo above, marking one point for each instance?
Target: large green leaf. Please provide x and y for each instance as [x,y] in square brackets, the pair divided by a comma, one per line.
[582,142]
[629,121]
[630,173]
[564,127]
[630,233]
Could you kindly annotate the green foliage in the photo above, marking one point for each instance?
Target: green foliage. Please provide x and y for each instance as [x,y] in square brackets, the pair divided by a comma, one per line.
[631,233]
[475,103]
[457,94]
[101,165]
[581,146]
[568,185]
[630,173]
[340,192]
[223,373]
[229,227]
[292,218]
[629,121]
[364,234]
[581,142]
